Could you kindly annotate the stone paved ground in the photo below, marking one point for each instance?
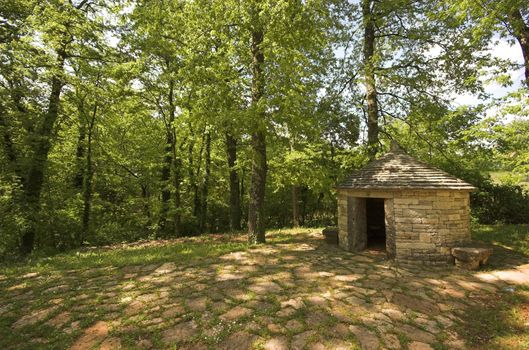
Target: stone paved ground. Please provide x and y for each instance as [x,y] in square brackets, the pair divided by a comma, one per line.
[297,294]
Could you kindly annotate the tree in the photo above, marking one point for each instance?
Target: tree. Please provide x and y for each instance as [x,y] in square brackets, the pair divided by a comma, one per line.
[66,30]
[508,18]
[368,17]
[157,42]
[410,59]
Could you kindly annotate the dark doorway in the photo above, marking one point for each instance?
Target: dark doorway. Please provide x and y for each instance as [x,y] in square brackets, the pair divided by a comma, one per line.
[375,225]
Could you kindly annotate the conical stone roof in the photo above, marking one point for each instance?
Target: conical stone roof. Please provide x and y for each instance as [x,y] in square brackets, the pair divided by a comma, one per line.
[396,170]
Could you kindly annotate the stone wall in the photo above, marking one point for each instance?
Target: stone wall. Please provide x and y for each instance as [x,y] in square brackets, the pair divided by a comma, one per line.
[390,228]
[421,226]
[429,223]
[343,224]
[352,235]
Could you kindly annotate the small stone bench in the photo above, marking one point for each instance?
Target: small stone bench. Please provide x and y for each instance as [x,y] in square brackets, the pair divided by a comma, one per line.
[331,235]
[470,258]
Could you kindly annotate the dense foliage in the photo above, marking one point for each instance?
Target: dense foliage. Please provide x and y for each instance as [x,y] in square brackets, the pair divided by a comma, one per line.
[122,120]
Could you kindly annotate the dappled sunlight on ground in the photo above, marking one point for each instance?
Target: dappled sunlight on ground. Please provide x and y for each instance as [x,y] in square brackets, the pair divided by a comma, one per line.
[294,293]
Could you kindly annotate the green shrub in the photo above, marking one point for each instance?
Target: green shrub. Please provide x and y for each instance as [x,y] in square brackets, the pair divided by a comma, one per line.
[500,203]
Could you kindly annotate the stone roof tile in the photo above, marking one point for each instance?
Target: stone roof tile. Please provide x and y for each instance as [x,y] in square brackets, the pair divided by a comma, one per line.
[397,170]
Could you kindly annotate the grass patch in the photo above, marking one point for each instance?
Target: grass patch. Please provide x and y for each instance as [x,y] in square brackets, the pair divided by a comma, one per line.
[176,251]
[514,237]
[502,324]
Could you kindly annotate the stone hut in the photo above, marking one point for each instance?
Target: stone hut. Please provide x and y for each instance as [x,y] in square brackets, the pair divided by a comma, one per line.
[415,212]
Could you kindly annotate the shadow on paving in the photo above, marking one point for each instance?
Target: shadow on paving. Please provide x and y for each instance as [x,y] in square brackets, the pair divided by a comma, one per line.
[295,293]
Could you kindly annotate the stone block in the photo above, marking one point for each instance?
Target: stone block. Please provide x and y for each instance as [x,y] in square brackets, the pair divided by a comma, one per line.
[416,245]
[331,235]
[408,220]
[470,258]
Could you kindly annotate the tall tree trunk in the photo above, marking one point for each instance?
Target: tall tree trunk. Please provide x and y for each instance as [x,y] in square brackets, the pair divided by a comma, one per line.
[235,203]
[191,173]
[7,141]
[295,206]
[80,154]
[304,193]
[205,185]
[41,145]
[145,195]
[168,161]
[166,189]
[196,188]
[256,212]
[369,76]
[242,191]
[520,30]
[177,201]
[87,182]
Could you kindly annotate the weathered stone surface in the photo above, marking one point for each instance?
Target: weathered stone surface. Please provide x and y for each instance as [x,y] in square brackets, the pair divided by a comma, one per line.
[338,344]
[416,334]
[294,326]
[419,346]
[384,300]
[34,317]
[294,303]
[236,313]
[415,303]
[470,258]
[237,340]
[91,336]
[301,340]
[180,332]
[286,312]
[60,319]
[173,311]
[367,339]
[275,328]
[279,343]
[197,305]
[165,269]
[110,344]
[265,287]
[391,341]
[317,300]
[144,344]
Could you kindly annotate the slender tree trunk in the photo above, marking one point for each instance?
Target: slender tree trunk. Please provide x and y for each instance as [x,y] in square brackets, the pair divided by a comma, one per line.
[145,195]
[191,173]
[177,200]
[196,188]
[168,161]
[304,192]
[205,185]
[369,76]
[295,206]
[7,141]
[166,190]
[80,154]
[256,208]
[521,32]
[241,195]
[87,183]
[235,202]
[41,145]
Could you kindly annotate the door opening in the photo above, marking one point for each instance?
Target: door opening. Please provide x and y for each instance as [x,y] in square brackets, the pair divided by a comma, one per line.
[375,224]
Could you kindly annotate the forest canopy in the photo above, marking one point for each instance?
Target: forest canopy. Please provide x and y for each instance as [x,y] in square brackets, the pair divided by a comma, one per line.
[128,119]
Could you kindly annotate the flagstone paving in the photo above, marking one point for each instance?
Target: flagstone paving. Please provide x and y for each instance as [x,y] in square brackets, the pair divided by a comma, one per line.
[296,294]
